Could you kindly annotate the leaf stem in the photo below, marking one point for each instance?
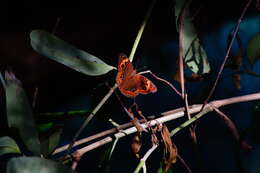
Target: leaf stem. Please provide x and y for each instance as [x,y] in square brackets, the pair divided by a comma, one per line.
[141,30]
[143,160]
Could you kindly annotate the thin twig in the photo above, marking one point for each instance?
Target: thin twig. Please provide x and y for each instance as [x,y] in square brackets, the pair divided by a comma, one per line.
[141,30]
[184,163]
[227,53]
[168,116]
[92,114]
[143,160]
[160,79]
[229,124]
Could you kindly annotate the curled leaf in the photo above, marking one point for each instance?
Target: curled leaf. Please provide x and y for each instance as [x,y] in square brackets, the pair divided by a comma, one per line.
[136,144]
[170,149]
[58,50]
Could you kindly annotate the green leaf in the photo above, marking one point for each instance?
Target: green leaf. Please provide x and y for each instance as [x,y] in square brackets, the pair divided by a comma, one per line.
[44,127]
[160,170]
[8,145]
[194,55]
[253,48]
[36,165]
[58,50]
[19,113]
[49,144]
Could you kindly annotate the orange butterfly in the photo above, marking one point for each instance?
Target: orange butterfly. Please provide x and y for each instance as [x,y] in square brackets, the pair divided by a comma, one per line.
[129,83]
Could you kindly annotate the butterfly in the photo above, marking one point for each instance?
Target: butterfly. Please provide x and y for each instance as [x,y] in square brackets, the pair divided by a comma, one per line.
[129,82]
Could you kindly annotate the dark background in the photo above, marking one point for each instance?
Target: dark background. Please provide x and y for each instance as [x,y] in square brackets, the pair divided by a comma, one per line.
[105,29]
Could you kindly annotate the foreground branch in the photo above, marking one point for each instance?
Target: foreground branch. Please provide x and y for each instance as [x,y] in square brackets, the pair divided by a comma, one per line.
[171,115]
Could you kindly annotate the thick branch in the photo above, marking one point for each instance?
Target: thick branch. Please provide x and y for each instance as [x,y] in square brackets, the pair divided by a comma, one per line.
[171,115]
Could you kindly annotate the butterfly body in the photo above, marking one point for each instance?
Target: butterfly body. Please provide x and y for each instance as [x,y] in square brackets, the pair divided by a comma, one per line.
[129,82]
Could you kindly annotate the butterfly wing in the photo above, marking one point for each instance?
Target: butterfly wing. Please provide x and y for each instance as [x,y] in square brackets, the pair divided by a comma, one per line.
[144,85]
[125,69]
[129,83]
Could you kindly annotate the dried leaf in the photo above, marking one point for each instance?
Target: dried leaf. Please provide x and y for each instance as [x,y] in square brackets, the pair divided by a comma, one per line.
[136,144]
[237,80]
[170,149]
[137,125]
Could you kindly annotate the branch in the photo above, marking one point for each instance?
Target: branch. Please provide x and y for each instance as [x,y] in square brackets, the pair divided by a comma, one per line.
[163,80]
[143,160]
[98,135]
[171,115]
[227,54]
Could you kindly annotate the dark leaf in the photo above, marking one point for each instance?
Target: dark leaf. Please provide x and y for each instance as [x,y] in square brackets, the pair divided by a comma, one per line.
[8,145]
[50,141]
[36,165]
[19,113]
[58,50]
[253,48]
[170,150]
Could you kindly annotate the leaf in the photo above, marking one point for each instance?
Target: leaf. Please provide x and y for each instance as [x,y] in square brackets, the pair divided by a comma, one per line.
[170,150]
[50,143]
[160,170]
[19,113]
[36,164]
[58,50]
[253,49]
[44,127]
[194,55]
[8,145]
[136,144]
